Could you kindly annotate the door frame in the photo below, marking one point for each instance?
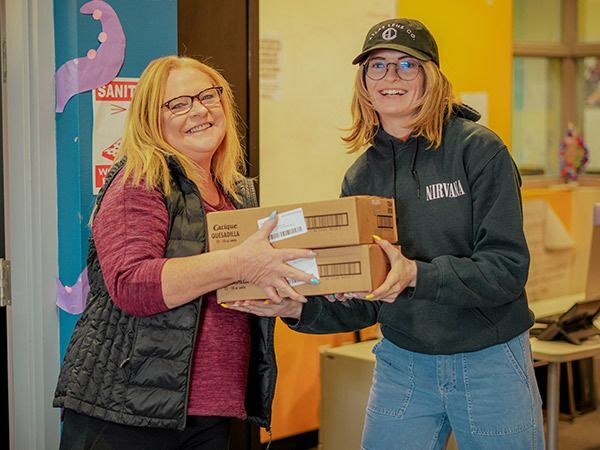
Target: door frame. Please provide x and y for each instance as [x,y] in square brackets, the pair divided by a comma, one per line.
[31,222]
[5,429]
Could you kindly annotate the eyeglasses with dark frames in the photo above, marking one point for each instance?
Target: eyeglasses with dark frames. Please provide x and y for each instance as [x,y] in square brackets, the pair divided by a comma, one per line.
[407,68]
[209,98]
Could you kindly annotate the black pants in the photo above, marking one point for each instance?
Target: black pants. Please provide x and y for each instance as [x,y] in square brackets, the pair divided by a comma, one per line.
[81,432]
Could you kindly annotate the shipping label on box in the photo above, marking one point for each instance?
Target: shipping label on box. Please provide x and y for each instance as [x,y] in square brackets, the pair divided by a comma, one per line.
[289,224]
[342,269]
[330,223]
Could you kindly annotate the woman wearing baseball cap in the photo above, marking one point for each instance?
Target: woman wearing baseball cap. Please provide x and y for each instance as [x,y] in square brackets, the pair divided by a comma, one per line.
[455,354]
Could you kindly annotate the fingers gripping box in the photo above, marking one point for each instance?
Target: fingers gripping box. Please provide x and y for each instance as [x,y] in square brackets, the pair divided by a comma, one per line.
[329,223]
[341,269]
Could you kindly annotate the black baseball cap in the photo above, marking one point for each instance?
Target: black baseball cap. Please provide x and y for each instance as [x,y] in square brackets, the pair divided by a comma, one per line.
[405,35]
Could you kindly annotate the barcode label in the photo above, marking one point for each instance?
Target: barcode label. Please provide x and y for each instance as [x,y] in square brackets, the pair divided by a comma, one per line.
[327,221]
[308,265]
[290,223]
[277,236]
[340,269]
[385,222]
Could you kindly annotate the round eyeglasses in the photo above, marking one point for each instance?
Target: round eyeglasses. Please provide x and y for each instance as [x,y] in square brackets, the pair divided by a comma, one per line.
[407,69]
[209,98]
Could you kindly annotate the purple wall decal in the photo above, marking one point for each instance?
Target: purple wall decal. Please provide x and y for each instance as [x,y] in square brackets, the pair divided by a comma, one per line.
[100,66]
[73,299]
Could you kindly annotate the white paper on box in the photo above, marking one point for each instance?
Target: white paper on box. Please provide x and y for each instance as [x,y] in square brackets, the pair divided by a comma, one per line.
[308,265]
[290,223]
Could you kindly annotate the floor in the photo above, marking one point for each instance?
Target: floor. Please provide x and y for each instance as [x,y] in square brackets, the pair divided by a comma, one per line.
[581,434]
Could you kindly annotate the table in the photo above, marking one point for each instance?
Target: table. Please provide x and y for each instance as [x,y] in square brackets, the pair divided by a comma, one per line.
[555,353]
[346,375]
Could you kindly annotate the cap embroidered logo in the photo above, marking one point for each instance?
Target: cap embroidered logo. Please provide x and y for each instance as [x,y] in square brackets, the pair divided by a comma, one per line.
[389,34]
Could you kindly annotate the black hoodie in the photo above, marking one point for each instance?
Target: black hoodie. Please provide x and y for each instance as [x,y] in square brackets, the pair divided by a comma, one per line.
[459,216]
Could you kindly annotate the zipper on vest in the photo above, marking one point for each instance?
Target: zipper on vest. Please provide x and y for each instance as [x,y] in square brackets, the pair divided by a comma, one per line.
[133,335]
[270,438]
[199,301]
[186,400]
[273,380]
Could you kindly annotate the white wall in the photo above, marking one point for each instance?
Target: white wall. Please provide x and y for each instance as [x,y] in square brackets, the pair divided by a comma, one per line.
[302,157]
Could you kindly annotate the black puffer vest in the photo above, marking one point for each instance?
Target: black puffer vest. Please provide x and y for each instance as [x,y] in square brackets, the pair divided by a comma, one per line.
[136,370]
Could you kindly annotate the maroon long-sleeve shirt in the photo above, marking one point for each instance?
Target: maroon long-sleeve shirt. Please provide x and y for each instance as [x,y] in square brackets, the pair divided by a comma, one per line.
[130,233]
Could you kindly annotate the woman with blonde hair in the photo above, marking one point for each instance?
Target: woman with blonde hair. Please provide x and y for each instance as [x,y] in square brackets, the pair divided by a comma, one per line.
[455,353]
[154,362]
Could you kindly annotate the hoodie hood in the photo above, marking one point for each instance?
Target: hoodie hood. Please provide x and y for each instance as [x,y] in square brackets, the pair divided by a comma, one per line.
[459,110]
[465,112]
[384,140]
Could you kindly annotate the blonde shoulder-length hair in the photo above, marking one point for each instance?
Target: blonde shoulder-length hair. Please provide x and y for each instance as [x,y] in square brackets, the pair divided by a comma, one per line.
[143,142]
[432,110]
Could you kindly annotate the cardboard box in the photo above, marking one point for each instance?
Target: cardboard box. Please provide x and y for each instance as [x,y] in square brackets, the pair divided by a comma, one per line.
[551,250]
[342,269]
[330,223]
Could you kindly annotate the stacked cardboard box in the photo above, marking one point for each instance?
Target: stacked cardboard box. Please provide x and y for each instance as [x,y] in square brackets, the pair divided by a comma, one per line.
[340,231]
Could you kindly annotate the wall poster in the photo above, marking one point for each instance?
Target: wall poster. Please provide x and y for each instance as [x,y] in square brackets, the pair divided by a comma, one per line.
[110,104]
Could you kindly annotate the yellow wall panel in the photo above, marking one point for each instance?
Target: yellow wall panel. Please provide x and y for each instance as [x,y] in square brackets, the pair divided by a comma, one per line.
[297,395]
[475,42]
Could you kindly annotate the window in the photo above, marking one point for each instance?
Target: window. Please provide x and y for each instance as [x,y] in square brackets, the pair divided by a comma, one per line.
[556,80]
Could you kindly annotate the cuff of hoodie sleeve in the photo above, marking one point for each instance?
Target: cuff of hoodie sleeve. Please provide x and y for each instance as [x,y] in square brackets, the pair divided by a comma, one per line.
[428,282]
[311,310]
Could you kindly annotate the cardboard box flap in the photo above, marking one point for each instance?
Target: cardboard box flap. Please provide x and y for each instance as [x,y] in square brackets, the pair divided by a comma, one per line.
[551,249]
[592,290]
[556,236]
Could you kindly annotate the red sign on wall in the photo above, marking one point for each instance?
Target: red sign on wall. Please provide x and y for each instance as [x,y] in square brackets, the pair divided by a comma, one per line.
[111,103]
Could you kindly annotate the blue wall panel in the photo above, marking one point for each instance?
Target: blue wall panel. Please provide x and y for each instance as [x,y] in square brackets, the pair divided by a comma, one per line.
[150,28]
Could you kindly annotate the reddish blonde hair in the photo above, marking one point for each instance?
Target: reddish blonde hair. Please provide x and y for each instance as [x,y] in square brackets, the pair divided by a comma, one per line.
[143,142]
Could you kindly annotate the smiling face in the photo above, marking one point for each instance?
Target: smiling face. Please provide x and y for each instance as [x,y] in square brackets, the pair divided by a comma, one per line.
[394,99]
[199,132]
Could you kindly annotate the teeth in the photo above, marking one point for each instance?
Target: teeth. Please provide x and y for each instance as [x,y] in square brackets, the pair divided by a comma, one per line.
[198,128]
[392,92]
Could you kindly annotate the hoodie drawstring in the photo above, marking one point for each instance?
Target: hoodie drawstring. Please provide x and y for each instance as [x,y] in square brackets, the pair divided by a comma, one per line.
[413,170]
[394,171]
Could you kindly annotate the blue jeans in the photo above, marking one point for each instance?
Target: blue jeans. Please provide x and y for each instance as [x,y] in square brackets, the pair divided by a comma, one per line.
[489,399]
